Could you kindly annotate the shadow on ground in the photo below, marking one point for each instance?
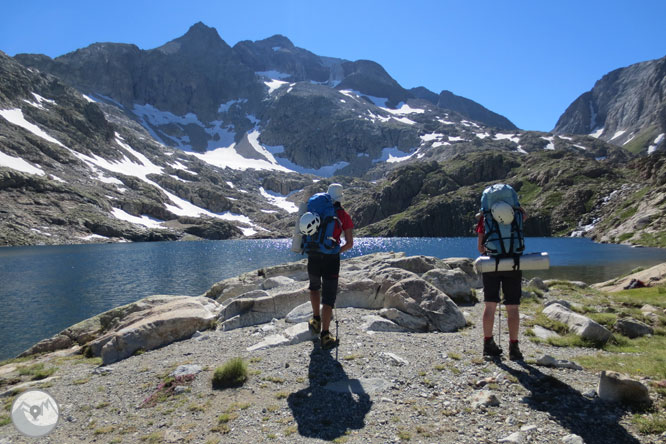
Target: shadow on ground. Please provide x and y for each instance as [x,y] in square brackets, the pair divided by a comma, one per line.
[594,420]
[326,414]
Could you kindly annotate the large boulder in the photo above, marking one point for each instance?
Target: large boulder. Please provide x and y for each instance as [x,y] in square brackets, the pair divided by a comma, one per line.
[94,327]
[632,328]
[616,387]
[455,283]
[419,298]
[577,323]
[244,311]
[177,318]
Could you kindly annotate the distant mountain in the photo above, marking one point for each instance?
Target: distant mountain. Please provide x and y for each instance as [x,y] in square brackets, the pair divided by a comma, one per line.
[626,107]
[195,139]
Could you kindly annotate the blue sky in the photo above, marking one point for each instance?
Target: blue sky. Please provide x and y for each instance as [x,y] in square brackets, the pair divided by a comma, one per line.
[526,60]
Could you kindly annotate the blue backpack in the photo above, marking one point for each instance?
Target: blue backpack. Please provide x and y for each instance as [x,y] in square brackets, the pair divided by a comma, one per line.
[322,241]
[502,240]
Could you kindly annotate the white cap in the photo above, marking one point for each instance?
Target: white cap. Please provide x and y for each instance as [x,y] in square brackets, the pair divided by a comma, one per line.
[335,190]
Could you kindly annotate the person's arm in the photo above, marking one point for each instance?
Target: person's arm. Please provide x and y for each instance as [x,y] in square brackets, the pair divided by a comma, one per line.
[349,240]
[479,244]
[522,210]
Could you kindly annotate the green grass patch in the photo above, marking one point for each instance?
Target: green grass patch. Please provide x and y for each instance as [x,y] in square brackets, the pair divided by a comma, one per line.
[638,297]
[4,420]
[37,371]
[641,357]
[653,424]
[625,236]
[153,438]
[232,374]
[528,192]
[657,239]
[605,319]
[544,321]
[626,214]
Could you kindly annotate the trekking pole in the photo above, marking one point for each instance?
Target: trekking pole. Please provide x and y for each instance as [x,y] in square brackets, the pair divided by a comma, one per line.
[499,324]
[337,338]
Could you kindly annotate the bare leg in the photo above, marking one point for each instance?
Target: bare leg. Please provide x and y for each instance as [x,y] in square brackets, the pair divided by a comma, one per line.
[513,319]
[315,300]
[489,318]
[326,314]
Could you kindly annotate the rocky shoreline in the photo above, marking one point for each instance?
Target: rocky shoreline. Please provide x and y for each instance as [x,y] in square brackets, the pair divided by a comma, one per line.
[406,369]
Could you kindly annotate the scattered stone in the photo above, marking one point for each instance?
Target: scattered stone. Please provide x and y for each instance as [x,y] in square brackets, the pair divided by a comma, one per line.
[572,439]
[632,328]
[102,371]
[299,333]
[616,387]
[537,282]
[269,342]
[394,359]
[579,324]
[484,398]
[179,390]
[562,302]
[528,428]
[186,369]
[378,323]
[544,333]
[515,437]
[647,308]
[549,361]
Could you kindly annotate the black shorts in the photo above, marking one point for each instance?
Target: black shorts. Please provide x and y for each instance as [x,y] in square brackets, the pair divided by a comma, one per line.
[323,271]
[511,286]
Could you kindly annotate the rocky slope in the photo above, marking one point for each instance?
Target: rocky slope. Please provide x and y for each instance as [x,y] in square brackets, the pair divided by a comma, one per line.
[196,139]
[626,107]
[390,380]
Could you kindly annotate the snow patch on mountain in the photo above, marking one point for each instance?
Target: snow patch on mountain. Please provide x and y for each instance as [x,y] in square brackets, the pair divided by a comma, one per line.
[146,221]
[274,84]
[551,144]
[278,200]
[393,155]
[515,138]
[404,109]
[653,147]
[16,163]
[377,101]
[225,107]
[16,117]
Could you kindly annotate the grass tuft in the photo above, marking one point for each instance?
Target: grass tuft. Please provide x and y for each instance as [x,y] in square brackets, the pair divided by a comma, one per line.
[232,374]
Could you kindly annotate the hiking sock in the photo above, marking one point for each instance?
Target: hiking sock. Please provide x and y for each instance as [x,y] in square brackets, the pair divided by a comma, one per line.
[324,332]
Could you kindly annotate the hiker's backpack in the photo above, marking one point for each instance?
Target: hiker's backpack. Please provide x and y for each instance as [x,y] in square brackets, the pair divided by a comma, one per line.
[322,241]
[502,240]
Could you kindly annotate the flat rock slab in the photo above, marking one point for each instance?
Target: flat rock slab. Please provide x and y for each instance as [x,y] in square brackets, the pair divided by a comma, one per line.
[359,386]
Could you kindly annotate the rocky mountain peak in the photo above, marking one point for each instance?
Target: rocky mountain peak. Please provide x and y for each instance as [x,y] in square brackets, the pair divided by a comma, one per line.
[199,39]
[276,42]
[626,107]
[473,110]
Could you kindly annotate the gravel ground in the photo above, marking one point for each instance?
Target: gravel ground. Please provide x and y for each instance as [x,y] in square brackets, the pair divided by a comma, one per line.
[419,388]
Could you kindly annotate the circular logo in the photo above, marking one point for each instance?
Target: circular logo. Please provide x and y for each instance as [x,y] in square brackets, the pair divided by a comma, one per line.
[35,413]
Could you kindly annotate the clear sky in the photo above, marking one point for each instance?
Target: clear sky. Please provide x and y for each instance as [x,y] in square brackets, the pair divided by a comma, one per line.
[527,60]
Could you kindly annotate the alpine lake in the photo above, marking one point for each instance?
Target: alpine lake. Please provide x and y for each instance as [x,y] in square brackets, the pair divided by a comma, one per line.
[45,289]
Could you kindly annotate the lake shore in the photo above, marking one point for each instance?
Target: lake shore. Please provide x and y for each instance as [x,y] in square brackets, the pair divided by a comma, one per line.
[421,387]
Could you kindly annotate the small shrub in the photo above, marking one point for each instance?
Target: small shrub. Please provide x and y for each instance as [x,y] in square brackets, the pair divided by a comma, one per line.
[37,371]
[232,374]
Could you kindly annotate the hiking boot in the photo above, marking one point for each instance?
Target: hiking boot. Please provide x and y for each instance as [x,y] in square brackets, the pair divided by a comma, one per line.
[514,352]
[490,349]
[315,326]
[328,341]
